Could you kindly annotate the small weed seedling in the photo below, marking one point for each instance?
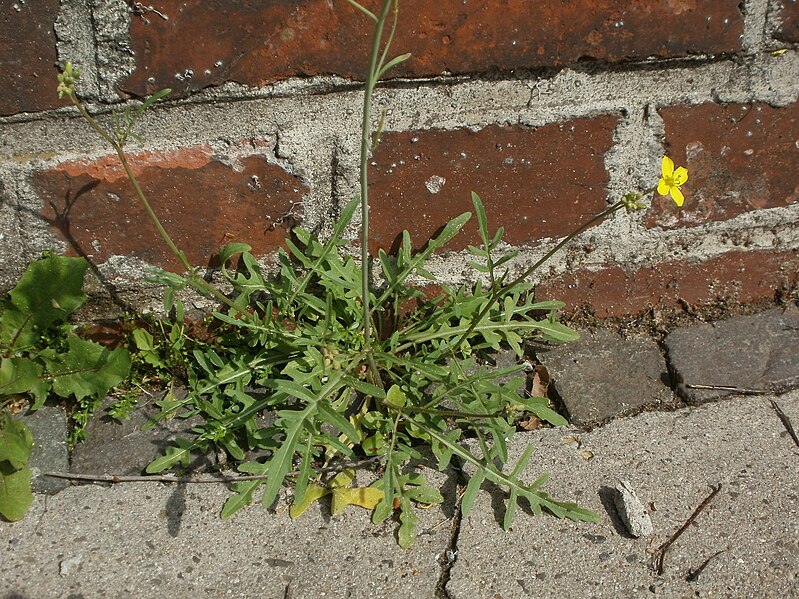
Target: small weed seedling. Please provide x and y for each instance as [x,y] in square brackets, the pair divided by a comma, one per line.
[348,373]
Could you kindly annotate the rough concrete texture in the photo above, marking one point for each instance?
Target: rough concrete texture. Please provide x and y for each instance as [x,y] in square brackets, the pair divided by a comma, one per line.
[152,540]
[603,375]
[756,353]
[672,460]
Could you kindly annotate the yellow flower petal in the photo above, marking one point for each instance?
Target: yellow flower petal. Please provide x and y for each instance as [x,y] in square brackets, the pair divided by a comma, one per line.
[680,175]
[667,167]
[663,188]
[677,196]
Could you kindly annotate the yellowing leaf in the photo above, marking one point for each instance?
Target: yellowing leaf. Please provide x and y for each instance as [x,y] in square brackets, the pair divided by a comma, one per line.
[365,497]
[343,478]
[314,492]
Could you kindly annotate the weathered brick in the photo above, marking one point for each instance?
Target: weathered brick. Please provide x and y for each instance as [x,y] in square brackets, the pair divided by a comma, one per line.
[739,158]
[536,182]
[28,56]
[745,277]
[787,12]
[263,41]
[203,201]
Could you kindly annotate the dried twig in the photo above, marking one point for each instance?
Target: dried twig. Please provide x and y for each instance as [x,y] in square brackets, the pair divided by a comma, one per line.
[785,421]
[740,390]
[660,554]
[168,478]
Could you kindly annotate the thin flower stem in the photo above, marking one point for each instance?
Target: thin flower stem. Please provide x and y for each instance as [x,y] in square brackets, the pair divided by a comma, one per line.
[366,145]
[195,281]
[500,291]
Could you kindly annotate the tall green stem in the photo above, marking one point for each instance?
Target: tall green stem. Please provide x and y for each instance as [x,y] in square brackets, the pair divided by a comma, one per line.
[366,148]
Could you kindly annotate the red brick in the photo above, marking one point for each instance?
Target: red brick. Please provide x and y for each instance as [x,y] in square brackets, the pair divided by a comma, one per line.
[745,277]
[536,182]
[202,201]
[739,158]
[28,56]
[788,17]
[263,41]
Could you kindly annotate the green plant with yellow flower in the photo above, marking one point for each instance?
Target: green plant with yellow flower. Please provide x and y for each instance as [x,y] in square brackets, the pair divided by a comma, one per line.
[349,374]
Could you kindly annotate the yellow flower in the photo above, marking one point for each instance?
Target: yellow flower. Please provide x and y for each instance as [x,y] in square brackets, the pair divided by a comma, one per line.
[672,180]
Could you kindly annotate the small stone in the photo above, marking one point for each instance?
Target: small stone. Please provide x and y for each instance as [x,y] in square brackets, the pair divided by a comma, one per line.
[69,565]
[632,511]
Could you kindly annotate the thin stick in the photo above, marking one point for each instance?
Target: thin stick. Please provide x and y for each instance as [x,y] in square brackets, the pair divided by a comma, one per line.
[740,390]
[168,478]
[785,421]
[660,554]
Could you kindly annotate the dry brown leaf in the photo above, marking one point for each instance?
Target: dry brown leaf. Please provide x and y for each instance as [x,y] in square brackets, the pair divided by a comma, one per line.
[540,383]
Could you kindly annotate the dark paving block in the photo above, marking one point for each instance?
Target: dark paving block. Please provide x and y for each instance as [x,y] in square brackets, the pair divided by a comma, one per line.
[48,425]
[124,448]
[758,352]
[604,375]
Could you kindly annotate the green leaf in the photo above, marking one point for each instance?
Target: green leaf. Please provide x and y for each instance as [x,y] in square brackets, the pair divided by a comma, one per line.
[179,452]
[472,488]
[15,492]
[556,331]
[396,397]
[281,461]
[154,98]
[16,442]
[47,293]
[87,369]
[329,415]
[21,375]
[243,497]
[543,411]
[392,63]
[408,522]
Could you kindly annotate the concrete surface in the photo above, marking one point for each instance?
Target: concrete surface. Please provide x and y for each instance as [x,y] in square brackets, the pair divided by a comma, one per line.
[672,460]
[152,540]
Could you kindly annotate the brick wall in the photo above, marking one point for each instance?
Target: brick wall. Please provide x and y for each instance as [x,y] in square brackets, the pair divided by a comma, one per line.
[548,110]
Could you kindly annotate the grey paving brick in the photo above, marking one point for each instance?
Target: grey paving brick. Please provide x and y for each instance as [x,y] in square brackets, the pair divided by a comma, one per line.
[749,352]
[48,425]
[604,375]
[126,447]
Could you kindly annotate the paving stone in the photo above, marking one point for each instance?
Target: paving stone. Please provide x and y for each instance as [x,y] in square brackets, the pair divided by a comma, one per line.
[48,425]
[604,375]
[748,352]
[144,540]
[672,459]
[124,448]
